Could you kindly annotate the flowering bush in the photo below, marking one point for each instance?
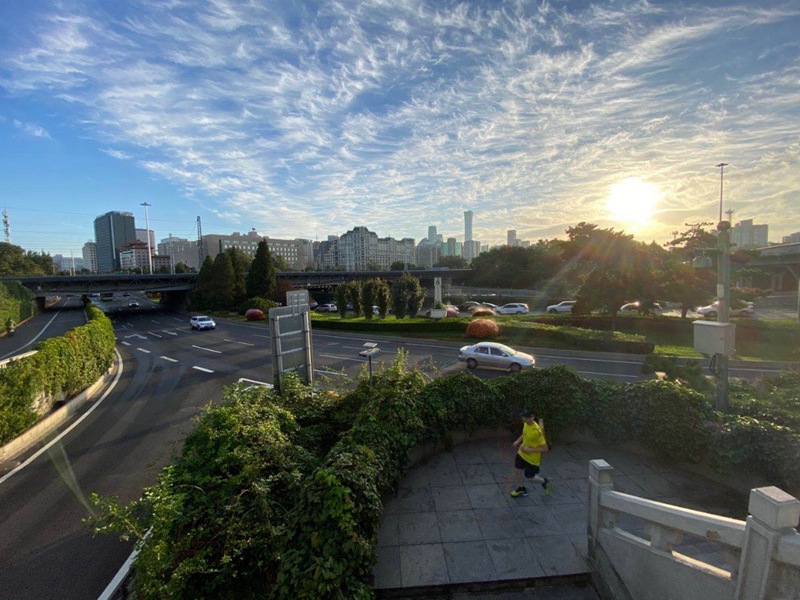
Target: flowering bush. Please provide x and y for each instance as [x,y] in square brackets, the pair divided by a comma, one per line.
[254,314]
[482,329]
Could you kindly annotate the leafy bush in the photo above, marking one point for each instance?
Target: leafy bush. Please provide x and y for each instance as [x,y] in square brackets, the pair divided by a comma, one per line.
[482,329]
[257,303]
[254,314]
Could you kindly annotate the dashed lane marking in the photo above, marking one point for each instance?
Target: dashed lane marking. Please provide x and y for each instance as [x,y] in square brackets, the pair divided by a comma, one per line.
[143,350]
[203,369]
[168,358]
[170,332]
[237,342]
[207,349]
[126,343]
[154,334]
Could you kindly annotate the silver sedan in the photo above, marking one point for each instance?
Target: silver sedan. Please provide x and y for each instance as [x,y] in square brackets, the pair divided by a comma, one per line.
[495,356]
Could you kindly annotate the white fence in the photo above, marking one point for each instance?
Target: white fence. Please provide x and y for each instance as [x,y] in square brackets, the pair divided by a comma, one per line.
[642,549]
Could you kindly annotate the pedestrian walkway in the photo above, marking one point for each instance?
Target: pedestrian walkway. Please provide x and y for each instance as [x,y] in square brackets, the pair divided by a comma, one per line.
[452,521]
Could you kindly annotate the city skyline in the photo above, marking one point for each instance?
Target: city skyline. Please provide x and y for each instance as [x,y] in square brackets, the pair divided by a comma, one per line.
[304,121]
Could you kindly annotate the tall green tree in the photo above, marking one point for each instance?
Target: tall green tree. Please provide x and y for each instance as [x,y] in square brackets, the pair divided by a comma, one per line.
[368,297]
[15,261]
[261,277]
[354,296]
[201,297]
[340,297]
[241,266]
[223,280]
[182,268]
[407,296]
[452,262]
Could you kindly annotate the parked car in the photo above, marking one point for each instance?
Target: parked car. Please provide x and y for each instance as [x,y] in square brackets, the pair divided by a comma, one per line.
[202,322]
[469,305]
[495,356]
[636,307]
[512,308]
[494,307]
[561,307]
[711,310]
[329,307]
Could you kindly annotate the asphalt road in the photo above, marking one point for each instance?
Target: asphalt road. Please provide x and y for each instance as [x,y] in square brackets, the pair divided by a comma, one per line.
[169,373]
[66,314]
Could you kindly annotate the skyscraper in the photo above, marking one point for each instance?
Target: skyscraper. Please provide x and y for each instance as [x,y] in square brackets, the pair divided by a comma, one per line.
[511,237]
[467,225]
[113,232]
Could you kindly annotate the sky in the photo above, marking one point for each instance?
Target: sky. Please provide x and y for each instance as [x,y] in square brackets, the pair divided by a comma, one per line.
[306,118]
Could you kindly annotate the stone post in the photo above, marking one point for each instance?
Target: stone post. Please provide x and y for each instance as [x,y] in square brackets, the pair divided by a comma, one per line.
[600,480]
[773,513]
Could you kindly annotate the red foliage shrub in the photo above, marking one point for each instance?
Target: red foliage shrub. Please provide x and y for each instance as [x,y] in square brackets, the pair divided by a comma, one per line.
[482,329]
[254,314]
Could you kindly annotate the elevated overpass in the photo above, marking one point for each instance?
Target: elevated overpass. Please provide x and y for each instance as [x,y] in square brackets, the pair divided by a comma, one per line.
[178,284]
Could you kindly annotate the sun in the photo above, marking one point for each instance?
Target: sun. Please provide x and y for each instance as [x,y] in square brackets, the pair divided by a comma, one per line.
[633,200]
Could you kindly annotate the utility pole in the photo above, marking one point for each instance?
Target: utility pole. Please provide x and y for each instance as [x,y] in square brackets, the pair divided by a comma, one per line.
[723,295]
[147,233]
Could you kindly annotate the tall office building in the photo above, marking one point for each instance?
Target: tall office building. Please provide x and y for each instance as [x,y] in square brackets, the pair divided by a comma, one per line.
[141,236]
[179,250]
[361,249]
[472,248]
[90,256]
[467,226]
[113,232]
[792,238]
[746,235]
[511,237]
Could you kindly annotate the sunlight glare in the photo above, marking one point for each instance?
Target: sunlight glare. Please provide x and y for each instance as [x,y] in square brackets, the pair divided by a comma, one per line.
[633,200]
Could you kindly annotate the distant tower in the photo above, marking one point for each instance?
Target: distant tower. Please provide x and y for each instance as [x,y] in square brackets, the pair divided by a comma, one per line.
[511,237]
[7,226]
[200,242]
[432,233]
[467,225]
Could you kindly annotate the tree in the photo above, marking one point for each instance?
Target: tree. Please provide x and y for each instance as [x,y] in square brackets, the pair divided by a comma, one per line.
[373,266]
[368,290]
[515,267]
[452,262]
[354,296]
[182,268]
[280,263]
[399,265]
[340,296]
[261,277]
[202,294]
[15,261]
[407,296]
[223,280]
[241,266]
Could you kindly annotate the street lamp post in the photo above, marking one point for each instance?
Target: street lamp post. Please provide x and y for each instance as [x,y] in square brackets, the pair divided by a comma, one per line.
[147,234]
[723,295]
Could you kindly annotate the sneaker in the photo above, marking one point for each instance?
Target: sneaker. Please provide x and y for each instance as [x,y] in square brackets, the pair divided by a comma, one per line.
[546,486]
[520,491]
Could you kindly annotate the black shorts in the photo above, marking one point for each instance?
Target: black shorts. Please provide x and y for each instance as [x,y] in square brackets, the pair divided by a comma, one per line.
[530,470]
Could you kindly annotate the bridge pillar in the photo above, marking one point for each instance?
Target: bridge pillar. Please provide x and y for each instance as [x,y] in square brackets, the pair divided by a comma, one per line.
[40,303]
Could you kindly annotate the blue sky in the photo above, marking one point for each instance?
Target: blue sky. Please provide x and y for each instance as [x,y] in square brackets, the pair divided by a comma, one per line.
[306,118]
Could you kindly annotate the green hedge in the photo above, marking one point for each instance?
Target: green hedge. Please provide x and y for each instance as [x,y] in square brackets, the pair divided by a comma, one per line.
[391,325]
[280,496]
[531,332]
[63,365]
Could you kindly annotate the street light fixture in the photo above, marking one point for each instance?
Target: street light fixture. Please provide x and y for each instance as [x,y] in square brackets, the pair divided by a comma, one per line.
[147,234]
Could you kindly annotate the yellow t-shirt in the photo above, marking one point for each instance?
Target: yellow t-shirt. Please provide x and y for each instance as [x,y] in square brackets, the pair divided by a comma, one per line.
[532,436]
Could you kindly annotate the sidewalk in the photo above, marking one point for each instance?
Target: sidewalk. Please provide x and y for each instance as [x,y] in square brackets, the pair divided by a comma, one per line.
[453,523]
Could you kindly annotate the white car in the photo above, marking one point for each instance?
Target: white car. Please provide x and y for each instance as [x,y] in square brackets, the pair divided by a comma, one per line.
[561,307]
[202,322]
[495,356]
[329,307]
[513,308]
[712,309]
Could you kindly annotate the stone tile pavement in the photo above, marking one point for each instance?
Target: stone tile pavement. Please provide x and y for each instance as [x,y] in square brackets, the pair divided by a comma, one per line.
[452,522]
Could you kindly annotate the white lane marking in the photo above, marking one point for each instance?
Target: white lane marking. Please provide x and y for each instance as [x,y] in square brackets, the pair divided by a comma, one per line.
[235,342]
[342,358]
[324,372]
[156,322]
[203,369]
[170,332]
[143,350]
[136,335]
[115,583]
[168,358]
[264,336]
[126,343]
[255,382]
[45,448]
[154,334]
[207,349]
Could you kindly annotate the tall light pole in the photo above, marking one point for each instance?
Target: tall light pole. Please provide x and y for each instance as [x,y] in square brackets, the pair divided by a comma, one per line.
[147,233]
[723,294]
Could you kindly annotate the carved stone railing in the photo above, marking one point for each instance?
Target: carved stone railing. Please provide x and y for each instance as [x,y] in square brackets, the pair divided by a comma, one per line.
[640,548]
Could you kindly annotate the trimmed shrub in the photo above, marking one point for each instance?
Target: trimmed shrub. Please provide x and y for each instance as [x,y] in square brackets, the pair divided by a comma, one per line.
[257,303]
[482,329]
[254,314]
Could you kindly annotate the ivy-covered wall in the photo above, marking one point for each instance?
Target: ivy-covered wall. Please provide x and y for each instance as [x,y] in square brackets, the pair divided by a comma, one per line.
[280,496]
[16,302]
[61,368]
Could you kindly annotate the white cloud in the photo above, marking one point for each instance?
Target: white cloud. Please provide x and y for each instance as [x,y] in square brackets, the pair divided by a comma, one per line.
[32,129]
[397,115]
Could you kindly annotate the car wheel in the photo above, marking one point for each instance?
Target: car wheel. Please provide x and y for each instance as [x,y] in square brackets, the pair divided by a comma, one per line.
[472,364]
[552,311]
[515,367]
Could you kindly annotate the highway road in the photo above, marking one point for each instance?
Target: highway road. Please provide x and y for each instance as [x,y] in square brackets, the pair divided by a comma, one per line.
[118,445]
